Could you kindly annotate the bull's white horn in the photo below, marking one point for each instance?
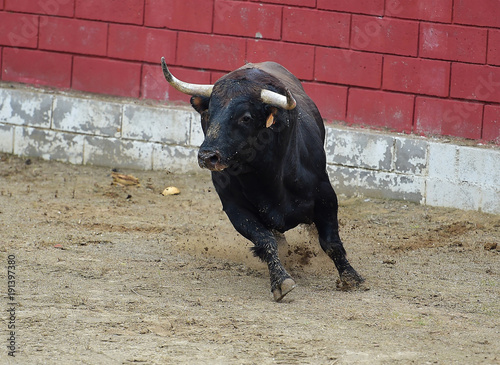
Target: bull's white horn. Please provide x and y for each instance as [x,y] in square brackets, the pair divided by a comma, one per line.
[184,87]
[286,102]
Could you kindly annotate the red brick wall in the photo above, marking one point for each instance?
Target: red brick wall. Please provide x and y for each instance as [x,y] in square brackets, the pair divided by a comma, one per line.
[428,67]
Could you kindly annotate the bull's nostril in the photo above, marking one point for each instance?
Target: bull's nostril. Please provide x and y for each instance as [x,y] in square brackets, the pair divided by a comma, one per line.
[213,159]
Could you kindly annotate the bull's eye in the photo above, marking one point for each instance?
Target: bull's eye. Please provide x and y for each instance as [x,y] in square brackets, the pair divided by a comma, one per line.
[246,118]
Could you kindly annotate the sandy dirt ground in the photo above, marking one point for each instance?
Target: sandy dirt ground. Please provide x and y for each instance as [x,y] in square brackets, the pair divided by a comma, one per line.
[107,274]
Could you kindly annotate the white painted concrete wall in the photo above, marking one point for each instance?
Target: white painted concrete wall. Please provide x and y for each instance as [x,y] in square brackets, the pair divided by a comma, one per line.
[87,129]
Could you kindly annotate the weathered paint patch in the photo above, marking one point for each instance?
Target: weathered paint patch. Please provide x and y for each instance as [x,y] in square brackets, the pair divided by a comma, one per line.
[357,149]
[474,166]
[453,194]
[22,107]
[174,158]
[87,116]
[49,145]
[410,156]
[382,184]
[118,153]
[157,124]
[6,138]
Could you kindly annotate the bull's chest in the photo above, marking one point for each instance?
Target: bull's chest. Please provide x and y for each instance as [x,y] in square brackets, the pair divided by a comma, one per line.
[283,211]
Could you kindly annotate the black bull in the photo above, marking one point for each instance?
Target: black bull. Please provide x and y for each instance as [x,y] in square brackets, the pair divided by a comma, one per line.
[264,145]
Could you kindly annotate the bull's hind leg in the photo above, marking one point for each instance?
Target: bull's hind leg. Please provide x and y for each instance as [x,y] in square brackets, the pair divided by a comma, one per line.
[281,282]
[328,231]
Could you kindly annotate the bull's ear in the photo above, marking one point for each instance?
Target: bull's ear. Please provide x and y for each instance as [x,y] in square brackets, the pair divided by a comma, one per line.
[276,116]
[200,103]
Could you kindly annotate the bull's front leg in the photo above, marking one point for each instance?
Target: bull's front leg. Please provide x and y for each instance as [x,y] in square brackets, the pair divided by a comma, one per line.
[266,248]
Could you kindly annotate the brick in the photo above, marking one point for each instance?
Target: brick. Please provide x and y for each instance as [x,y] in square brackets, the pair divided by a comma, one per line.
[192,15]
[87,116]
[0,63]
[308,3]
[316,27]
[141,44]
[453,42]
[46,7]
[494,47]
[417,76]
[430,10]
[36,67]
[119,11]
[157,124]
[348,67]
[477,82]
[48,144]
[331,100]
[297,58]
[216,76]
[119,153]
[154,85]
[22,107]
[380,109]
[247,19]
[210,51]
[106,76]
[448,117]
[491,123]
[482,13]
[385,35]
[374,7]
[18,30]
[73,35]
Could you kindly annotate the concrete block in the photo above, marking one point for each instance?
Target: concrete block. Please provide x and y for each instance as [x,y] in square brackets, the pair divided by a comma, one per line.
[87,116]
[443,161]
[479,166]
[175,158]
[6,138]
[345,180]
[410,156]
[24,107]
[118,153]
[490,202]
[446,193]
[359,149]
[197,136]
[389,185]
[48,144]
[155,124]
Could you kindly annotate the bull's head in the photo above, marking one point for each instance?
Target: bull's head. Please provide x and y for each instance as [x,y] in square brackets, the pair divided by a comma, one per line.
[234,112]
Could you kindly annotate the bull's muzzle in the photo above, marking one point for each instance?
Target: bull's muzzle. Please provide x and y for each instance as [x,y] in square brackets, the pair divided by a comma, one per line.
[211,160]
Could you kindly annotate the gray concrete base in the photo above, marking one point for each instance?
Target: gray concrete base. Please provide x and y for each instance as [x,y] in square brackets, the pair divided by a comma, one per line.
[123,133]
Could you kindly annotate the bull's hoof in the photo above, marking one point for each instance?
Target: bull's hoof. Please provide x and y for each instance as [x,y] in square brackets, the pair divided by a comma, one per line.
[286,287]
[350,280]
